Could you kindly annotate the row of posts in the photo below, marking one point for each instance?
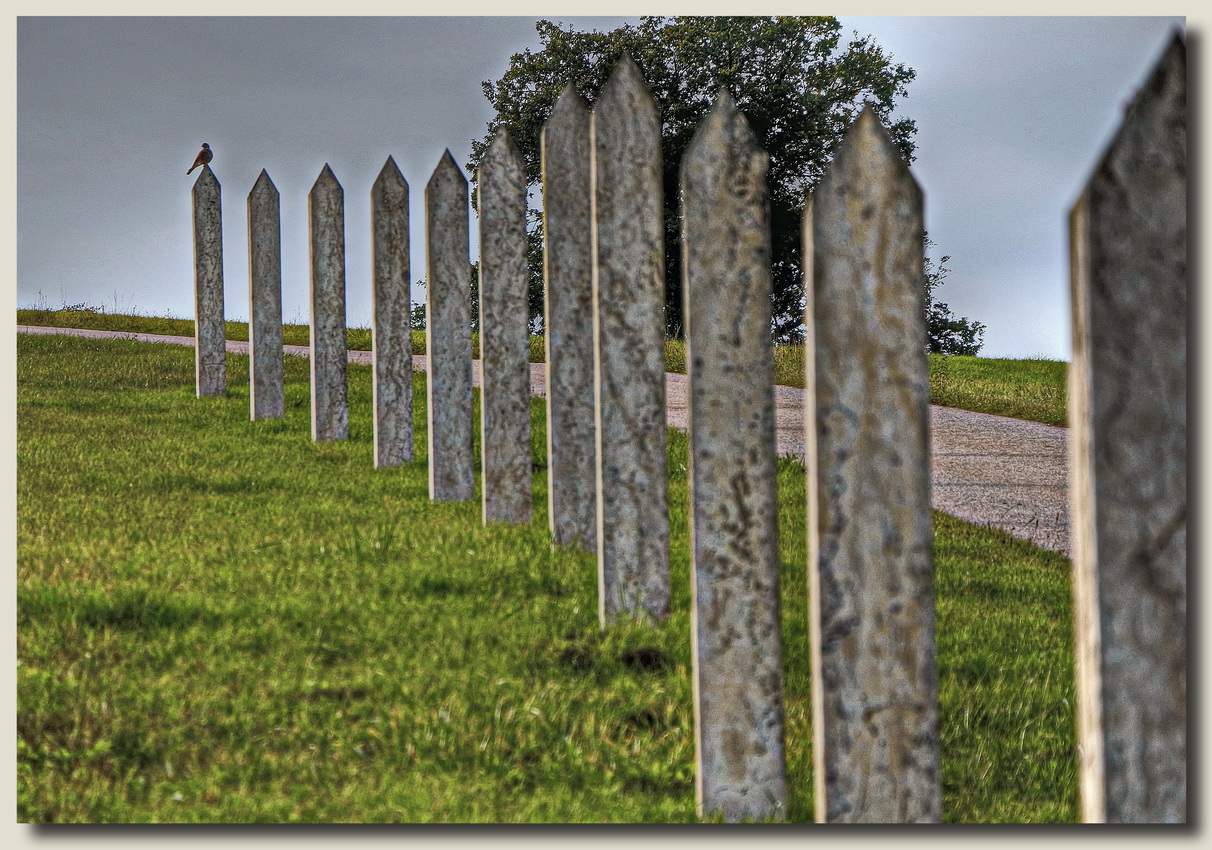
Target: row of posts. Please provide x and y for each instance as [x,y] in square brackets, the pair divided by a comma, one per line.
[872,626]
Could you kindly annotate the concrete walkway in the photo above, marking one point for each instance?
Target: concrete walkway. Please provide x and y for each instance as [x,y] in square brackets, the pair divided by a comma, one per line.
[992,470]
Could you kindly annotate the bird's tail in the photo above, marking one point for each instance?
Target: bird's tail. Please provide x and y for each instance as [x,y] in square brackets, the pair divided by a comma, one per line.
[191,168]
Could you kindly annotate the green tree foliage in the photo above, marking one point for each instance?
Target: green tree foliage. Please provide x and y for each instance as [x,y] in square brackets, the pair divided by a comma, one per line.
[795,79]
[946,333]
[419,312]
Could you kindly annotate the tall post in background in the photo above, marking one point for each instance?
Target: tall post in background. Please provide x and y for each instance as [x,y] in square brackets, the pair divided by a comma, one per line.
[504,335]
[392,334]
[629,337]
[448,334]
[267,398]
[572,496]
[210,329]
[329,384]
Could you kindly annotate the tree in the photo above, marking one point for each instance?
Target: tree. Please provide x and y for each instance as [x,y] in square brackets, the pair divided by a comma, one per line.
[419,312]
[946,334]
[796,82]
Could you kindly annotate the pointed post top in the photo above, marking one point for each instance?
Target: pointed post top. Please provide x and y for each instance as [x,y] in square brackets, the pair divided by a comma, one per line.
[570,100]
[724,102]
[263,184]
[1170,68]
[206,180]
[326,179]
[626,77]
[502,138]
[1160,101]
[1178,43]
[503,147]
[866,124]
[724,130]
[447,169]
[869,115]
[867,148]
[723,137]
[1167,81]
[626,66]
[570,110]
[390,174]
[626,104]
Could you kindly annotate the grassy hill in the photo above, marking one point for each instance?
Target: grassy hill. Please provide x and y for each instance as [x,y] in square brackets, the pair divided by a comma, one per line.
[222,621]
[1032,389]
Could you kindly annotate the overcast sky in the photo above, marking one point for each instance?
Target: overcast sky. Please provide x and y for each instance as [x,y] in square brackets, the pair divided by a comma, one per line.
[1012,115]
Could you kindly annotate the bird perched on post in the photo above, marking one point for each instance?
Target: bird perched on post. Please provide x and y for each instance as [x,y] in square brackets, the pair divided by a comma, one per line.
[204,156]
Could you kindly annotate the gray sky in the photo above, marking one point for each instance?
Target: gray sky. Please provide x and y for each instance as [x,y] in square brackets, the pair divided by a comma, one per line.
[1012,114]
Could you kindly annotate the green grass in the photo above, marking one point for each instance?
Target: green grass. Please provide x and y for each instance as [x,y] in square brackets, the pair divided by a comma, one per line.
[221,621]
[1032,389]
[357,339]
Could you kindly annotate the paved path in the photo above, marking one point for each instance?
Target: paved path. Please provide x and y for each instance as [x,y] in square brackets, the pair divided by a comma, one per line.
[991,470]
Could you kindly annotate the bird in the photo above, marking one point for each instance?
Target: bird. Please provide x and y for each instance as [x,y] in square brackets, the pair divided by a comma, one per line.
[204,156]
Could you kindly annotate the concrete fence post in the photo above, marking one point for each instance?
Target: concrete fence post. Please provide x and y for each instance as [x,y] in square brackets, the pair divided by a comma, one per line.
[504,335]
[392,331]
[448,334]
[329,385]
[874,677]
[572,496]
[629,336]
[1128,461]
[267,399]
[737,652]
[210,329]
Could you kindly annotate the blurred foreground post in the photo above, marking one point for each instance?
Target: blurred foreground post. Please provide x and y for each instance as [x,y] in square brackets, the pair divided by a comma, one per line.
[738,672]
[1128,461]
[874,678]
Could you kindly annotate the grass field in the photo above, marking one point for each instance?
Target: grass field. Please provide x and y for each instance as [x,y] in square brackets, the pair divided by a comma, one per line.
[221,621]
[1025,389]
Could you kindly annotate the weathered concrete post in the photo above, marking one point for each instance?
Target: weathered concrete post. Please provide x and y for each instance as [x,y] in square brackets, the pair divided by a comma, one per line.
[267,399]
[448,334]
[329,386]
[392,332]
[874,676]
[629,334]
[504,341]
[1128,461]
[210,329]
[572,496]
[738,672]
